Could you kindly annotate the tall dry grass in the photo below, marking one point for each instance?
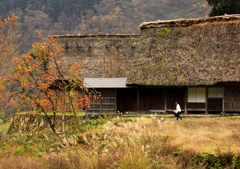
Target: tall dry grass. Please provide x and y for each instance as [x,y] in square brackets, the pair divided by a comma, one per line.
[206,134]
[156,141]
[20,163]
[147,143]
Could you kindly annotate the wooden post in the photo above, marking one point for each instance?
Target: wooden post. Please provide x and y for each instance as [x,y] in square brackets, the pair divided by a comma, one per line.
[82,94]
[186,101]
[137,100]
[100,105]
[115,100]
[223,107]
[56,105]
[206,100]
[165,100]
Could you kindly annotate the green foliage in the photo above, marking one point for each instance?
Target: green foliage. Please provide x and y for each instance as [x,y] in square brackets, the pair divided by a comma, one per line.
[54,8]
[236,161]
[4,122]
[19,151]
[35,145]
[2,115]
[40,55]
[4,127]
[76,125]
[164,33]
[94,16]
[216,160]
[221,7]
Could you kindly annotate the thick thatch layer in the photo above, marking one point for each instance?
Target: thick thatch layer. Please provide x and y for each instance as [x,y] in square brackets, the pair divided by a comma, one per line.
[105,55]
[187,22]
[188,52]
[96,36]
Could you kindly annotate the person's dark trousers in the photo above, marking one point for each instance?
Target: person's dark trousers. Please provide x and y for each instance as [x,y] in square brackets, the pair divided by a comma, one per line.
[177,115]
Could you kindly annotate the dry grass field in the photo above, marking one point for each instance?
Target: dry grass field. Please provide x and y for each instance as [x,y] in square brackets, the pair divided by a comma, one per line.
[205,134]
[139,143]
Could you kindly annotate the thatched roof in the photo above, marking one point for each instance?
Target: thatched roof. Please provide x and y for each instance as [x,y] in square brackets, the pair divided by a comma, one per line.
[188,52]
[96,36]
[184,52]
[187,22]
[105,55]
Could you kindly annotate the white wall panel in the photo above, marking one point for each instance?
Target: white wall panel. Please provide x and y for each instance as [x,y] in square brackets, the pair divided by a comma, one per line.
[201,95]
[215,92]
[220,92]
[192,94]
[196,95]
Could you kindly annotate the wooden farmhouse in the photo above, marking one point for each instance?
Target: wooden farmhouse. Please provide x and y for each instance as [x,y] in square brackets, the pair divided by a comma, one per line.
[193,61]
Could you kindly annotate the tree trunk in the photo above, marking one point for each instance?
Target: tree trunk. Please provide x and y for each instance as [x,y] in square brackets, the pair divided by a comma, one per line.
[63,136]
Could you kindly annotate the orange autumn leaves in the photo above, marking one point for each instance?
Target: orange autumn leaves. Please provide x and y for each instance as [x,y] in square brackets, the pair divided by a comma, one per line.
[8,38]
[10,21]
[40,79]
[42,69]
[9,46]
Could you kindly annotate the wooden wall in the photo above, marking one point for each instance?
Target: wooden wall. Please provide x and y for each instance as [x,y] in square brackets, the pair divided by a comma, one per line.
[104,104]
[127,100]
[144,99]
[173,95]
[215,104]
[151,99]
[232,98]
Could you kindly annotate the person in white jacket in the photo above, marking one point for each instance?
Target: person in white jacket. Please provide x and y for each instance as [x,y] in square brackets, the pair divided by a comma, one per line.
[177,112]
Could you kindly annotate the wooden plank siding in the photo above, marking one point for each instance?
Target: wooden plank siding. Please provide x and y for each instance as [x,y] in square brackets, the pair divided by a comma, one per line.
[232,98]
[151,99]
[144,99]
[127,100]
[173,95]
[104,104]
[215,104]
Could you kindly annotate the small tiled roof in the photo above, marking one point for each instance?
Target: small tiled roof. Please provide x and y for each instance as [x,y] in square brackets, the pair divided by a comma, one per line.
[105,82]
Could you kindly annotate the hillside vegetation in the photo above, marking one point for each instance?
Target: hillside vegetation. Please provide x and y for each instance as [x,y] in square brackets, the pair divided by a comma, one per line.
[51,17]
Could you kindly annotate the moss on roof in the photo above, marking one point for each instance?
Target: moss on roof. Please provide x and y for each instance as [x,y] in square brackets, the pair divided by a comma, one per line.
[188,52]
[185,52]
